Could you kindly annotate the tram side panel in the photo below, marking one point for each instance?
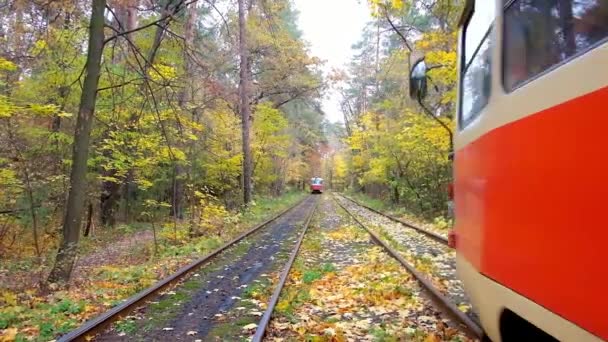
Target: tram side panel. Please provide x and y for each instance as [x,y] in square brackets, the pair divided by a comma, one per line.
[529,192]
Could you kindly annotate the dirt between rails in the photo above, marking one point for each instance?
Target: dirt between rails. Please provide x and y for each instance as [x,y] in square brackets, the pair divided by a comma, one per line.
[192,310]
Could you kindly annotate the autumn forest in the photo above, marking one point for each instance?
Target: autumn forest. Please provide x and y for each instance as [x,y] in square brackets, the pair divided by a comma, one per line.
[138,135]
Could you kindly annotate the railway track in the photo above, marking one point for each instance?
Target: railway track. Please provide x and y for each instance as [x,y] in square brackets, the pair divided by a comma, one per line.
[283,225]
[435,236]
[431,256]
[302,212]
[442,299]
[261,329]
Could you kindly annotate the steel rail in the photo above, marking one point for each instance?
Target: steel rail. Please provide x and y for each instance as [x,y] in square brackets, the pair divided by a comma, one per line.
[263,324]
[440,300]
[97,323]
[432,235]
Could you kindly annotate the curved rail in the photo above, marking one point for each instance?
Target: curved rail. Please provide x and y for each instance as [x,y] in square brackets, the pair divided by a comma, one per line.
[95,324]
[432,235]
[261,329]
[440,300]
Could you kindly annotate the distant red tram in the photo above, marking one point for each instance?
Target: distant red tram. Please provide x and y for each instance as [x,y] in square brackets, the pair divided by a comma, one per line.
[528,169]
[316,185]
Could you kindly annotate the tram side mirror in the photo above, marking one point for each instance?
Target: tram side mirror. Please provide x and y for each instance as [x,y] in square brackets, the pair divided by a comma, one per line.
[418,80]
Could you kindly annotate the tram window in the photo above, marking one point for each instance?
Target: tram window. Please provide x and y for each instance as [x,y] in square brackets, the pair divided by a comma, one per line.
[476,73]
[476,82]
[540,34]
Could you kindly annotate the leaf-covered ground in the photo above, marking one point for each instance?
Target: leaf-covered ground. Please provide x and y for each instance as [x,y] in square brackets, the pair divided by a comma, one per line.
[224,297]
[344,288]
[435,260]
[439,225]
[111,267]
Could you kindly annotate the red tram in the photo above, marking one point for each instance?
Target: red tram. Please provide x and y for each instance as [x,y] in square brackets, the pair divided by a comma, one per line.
[316,185]
[529,174]
[528,169]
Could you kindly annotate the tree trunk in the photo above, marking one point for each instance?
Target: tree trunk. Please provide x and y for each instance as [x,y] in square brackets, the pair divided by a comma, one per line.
[110,193]
[396,198]
[567,25]
[129,196]
[66,254]
[125,20]
[177,193]
[244,98]
[155,239]
[32,211]
[89,224]
[181,173]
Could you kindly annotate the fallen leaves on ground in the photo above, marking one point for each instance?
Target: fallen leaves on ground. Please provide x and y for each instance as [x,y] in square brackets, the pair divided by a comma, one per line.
[102,281]
[373,299]
[434,260]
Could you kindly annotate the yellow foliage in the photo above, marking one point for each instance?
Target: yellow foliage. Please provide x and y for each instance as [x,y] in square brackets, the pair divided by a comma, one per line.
[269,143]
[340,168]
[8,297]
[6,65]
[223,161]
[38,47]
[161,72]
[377,5]
[6,107]
[212,216]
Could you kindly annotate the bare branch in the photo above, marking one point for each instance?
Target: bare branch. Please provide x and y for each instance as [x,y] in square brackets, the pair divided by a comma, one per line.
[163,19]
[388,18]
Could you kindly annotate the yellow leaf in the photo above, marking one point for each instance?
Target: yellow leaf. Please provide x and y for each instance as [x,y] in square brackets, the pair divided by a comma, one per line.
[250,326]
[431,338]
[464,308]
[8,335]
[9,298]
[65,115]
[7,65]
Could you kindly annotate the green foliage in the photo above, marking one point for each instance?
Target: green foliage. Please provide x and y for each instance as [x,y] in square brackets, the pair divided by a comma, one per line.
[67,306]
[201,246]
[135,278]
[258,289]
[311,275]
[317,273]
[126,326]
[7,318]
[50,319]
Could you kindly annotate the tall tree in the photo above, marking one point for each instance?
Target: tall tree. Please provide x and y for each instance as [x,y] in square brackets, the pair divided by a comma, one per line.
[66,254]
[245,109]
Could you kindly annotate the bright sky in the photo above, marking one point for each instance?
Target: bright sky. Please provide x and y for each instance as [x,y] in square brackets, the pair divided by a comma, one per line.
[331,27]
